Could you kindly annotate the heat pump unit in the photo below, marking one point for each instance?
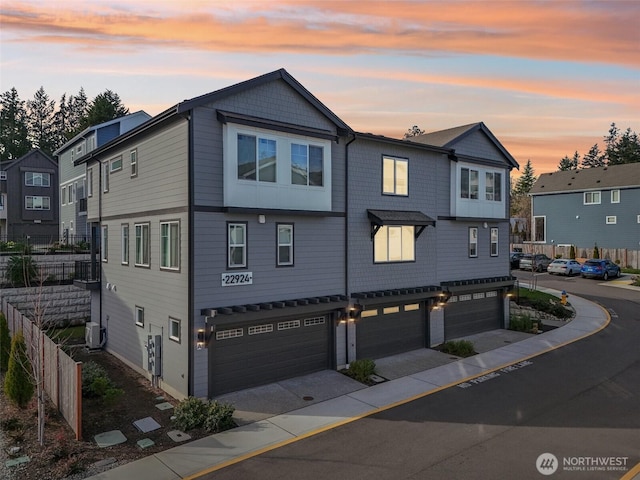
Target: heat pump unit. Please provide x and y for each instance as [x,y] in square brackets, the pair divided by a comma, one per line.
[92,335]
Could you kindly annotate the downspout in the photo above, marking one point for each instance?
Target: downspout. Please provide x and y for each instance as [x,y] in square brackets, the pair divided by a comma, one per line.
[346,242]
[98,234]
[190,282]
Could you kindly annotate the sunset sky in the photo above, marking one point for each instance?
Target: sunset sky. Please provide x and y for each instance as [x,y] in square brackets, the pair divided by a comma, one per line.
[546,77]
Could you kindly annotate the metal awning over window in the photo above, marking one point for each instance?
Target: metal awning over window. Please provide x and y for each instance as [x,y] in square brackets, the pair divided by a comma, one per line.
[399,217]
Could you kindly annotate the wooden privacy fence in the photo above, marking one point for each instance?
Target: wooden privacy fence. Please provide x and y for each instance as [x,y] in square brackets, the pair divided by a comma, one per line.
[623,256]
[62,376]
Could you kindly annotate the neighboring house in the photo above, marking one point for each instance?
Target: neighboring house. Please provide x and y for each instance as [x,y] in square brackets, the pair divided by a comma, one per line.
[28,197]
[249,235]
[587,207]
[73,183]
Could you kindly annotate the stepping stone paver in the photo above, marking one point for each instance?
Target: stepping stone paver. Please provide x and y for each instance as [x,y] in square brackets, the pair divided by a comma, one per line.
[107,439]
[178,436]
[146,424]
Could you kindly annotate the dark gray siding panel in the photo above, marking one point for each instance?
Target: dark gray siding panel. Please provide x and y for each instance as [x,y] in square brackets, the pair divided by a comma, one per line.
[478,145]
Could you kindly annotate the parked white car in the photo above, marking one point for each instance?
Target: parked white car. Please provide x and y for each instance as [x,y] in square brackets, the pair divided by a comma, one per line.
[564,266]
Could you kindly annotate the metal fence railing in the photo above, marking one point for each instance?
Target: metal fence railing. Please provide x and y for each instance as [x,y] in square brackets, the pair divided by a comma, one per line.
[42,244]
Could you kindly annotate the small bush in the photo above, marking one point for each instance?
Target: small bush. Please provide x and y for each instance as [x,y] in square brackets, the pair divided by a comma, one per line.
[97,384]
[362,369]
[213,416]
[521,323]
[596,251]
[17,383]
[459,348]
[572,253]
[5,343]
[21,270]
[219,417]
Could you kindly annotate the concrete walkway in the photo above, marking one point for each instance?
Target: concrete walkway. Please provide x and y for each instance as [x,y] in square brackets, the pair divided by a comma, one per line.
[278,414]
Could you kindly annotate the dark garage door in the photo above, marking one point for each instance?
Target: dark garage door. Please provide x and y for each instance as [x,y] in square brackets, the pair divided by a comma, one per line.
[469,315]
[389,332]
[245,356]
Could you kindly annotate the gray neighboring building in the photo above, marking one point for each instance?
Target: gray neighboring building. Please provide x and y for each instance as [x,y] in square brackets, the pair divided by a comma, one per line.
[249,235]
[28,197]
[73,183]
[587,207]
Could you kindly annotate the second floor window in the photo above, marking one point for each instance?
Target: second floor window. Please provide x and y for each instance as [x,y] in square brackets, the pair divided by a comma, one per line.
[133,157]
[37,179]
[615,196]
[125,244]
[493,186]
[285,244]
[104,244]
[89,182]
[105,177]
[170,245]
[473,242]
[395,176]
[469,183]
[591,198]
[37,203]
[494,242]
[142,244]
[256,158]
[237,245]
[307,165]
[394,244]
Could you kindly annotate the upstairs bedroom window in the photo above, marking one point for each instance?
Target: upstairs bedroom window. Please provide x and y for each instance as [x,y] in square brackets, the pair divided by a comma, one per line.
[37,179]
[469,182]
[37,203]
[591,198]
[395,176]
[394,244]
[306,165]
[256,158]
[493,186]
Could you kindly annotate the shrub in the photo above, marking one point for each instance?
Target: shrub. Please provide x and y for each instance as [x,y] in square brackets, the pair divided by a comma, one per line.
[572,253]
[97,384]
[21,270]
[213,416]
[5,343]
[362,369]
[521,323]
[17,383]
[459,348]
[596,251]
[219,417]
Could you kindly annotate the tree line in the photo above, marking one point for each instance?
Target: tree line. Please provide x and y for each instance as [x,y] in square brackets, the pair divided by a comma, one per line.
[37,123]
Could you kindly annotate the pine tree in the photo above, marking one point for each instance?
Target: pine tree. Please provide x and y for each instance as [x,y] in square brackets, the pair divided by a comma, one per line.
[18,386]
[594,158]
[568,164]
[414,132]
[40,120]
[14,142]
[61,122]
[5,343]
[104,107]
[77,109]
[525,182]
[610,145]
[627,149]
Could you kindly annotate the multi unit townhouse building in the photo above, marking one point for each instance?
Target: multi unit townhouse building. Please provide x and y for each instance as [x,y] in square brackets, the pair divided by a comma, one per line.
[73,182]
[250,235]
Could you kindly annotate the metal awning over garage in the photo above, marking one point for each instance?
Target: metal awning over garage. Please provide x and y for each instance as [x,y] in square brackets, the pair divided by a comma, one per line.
[399,217]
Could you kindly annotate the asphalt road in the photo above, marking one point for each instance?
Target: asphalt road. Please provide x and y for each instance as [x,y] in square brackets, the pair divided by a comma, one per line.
[580,403]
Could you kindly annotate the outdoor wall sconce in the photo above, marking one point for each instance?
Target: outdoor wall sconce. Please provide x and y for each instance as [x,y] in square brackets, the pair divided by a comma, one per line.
[350,313]
[443,298]
[200,343]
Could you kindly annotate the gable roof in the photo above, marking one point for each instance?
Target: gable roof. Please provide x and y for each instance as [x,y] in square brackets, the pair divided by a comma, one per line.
[449,137]
[615,176]
[6,165]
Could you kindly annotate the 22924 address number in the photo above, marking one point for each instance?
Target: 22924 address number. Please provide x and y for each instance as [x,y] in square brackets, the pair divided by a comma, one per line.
[233,279]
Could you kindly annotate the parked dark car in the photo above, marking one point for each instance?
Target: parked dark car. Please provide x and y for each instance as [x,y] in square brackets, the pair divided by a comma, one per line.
[535,261]
[598,268]
[515,259]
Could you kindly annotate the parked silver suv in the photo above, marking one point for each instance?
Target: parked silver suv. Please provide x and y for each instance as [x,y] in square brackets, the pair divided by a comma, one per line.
[535,261]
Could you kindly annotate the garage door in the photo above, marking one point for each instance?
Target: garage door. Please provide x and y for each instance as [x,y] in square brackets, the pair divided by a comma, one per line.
[389,330]
[245,356]
[472,313]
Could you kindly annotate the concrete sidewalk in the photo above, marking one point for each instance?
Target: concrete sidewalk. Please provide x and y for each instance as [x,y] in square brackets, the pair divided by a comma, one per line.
[282,413]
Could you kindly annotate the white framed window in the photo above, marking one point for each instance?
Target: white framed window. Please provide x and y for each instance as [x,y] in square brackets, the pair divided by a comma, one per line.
[539,228]
[494,242]
[307,165]
[139,316]
[288,325]
[394,244]
[591,198]
[104,244]
[70,195]
[71,226]
[611,220]
[638,219]
[63,195]
[473,242]
[133,159]
[469,183]
[256,158]
[395,176]
[310,322]
[174,329]
[115,165]
[285,244]
[142,244]
[230,333]
[105,177]
[1,201]
[37,203]
[37,179]
[615,196]
[258,329]
[170,245]
[478,295]
[89,182]
[493,186]
[124,247]
[237,245]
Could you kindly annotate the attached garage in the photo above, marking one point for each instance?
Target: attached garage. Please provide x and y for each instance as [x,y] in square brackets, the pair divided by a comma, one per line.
[469,313]
[246,355]
[388,330]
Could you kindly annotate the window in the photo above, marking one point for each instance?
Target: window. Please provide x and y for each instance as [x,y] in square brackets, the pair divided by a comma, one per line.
[237,246]
[539,229]
[139,316]
[615,196]
[493,186]
[394,244]
[390,310]
[105,177]
[170,245]
[37,179]
[70,193]
[63,195]
[611,220]
[133,157]
[494,242]
[256,158]
[1,201]
[591,198]
[469,183]
[142,244]
[395,176]
[71,226]
[174,329]
[115,165]
[473,242]
[125,244]
[89,182]
[285,244]
[307,165]
[104,245]
[37,203]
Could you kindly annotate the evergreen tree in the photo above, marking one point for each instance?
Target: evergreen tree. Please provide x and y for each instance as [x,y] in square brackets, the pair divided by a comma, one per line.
[594,158]
[104,107]
[627,149]
[18,386]
[568,164]
[525,182]
[61,122]
[77,108]
[14,142]
[610,144]
[414,132]
[40,120]
[5,343]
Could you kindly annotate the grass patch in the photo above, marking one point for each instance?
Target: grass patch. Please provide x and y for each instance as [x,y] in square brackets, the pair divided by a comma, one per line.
[523,323]
[543,302]
[632,271]
[459,348]
[67,334]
